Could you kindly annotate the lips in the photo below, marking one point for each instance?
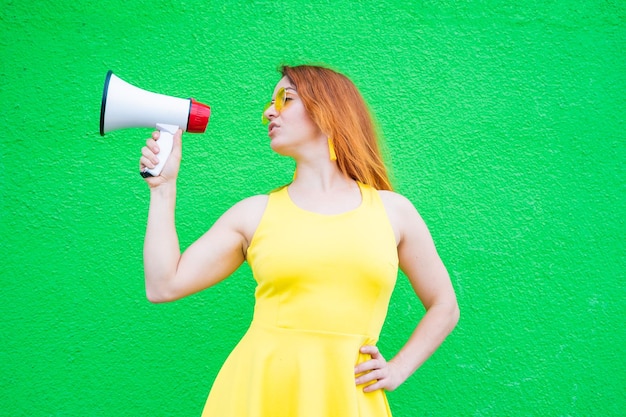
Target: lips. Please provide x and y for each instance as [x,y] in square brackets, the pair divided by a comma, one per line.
[271,128]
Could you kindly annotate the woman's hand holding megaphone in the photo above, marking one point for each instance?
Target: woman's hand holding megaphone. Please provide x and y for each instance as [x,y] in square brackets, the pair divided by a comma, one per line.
[150,159]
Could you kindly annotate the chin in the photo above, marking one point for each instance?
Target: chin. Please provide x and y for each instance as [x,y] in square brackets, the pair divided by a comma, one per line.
[279,150]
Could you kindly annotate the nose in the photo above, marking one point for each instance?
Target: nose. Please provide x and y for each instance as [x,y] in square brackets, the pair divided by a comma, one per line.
[270,113]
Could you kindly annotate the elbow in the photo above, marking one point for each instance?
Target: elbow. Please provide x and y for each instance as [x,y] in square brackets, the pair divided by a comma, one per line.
[455,315]
[159,296]
[156,299]
[453,312]
[449,314]
[162,289]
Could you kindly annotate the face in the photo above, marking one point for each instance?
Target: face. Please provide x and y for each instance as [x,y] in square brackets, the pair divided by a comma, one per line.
[290,128]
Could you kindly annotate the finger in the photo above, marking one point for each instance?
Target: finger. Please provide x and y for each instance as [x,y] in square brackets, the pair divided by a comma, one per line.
[370,350]
[156,134]
[368,366]
[146,163]
[153,146]
[368,377]
[377,361]
[148,152]
[375,386]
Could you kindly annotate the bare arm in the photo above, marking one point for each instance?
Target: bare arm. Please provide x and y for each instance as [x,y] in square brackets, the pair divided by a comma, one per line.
[429,278]
[171,275]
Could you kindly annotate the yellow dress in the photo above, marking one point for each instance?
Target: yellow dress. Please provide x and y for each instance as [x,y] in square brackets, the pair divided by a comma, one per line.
[323,288]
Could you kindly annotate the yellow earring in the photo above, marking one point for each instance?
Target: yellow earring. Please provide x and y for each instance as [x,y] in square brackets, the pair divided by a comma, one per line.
[331,150]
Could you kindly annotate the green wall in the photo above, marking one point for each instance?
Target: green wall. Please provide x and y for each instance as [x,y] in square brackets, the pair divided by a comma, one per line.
[504,125]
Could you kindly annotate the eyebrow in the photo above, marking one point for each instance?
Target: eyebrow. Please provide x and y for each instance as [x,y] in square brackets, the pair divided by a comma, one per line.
[290,89]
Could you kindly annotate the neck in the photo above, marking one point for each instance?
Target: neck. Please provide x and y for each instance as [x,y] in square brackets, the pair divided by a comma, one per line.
[320,176]
[324,189]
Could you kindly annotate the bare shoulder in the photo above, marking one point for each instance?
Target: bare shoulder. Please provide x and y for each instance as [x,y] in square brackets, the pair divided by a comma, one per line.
[245,216]
[403,215]
[397,204]
[248,210]
[251,205]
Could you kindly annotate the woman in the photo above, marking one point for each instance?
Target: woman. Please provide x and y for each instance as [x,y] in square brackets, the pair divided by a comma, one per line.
[324,251]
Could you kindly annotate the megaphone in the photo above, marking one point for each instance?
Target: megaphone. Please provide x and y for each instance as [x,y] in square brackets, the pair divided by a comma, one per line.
[125,106]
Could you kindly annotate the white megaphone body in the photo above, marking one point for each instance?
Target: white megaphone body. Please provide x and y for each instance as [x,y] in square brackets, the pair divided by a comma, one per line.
[125,106]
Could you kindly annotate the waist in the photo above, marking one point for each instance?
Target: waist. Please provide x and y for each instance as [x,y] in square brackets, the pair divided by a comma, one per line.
[282,332]
[302,312]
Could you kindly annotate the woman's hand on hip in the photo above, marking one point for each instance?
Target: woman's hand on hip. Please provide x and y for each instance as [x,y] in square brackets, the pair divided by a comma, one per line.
[377,373]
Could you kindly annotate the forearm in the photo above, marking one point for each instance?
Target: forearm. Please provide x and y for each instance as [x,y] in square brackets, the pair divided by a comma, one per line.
[161,247]
[435,326]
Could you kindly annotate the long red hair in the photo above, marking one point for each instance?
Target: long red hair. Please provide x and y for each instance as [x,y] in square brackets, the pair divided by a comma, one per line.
[337,107]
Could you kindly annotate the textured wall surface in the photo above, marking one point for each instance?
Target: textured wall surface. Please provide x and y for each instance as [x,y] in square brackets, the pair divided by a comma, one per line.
[504,124]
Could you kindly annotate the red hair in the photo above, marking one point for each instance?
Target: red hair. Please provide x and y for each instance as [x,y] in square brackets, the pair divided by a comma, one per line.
[337,107]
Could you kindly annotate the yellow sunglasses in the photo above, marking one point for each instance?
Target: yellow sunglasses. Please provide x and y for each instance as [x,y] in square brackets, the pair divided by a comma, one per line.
[279,104]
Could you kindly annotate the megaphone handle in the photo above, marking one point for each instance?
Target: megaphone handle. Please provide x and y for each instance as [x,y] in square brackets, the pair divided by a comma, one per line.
[166,143]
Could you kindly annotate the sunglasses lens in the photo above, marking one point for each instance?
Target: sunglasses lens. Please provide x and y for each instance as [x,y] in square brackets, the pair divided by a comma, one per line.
[279,103]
